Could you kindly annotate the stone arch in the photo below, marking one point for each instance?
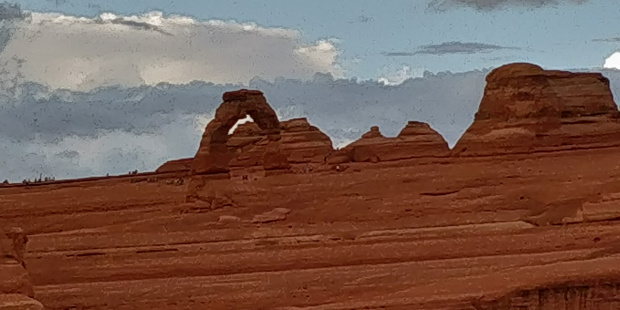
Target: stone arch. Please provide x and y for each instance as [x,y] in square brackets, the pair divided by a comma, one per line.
[213,155]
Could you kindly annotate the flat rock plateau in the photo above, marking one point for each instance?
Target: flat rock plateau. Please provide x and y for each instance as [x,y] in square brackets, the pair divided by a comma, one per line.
[521,214]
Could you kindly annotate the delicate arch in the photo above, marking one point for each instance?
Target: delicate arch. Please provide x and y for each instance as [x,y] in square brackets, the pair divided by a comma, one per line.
[213,155]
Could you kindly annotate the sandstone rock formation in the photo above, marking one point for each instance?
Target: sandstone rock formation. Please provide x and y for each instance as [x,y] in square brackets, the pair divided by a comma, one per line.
[213,155]
[416,140]
[537,230]
[300,142]
[527,109]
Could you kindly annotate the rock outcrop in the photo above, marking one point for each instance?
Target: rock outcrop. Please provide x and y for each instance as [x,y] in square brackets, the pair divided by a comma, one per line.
[213,155]
[527,109]
[247,146]
[16,289]
[300,141]
[416,140]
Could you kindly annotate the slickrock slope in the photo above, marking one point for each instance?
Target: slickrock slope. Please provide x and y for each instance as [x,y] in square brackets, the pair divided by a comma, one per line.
[416,140]
[520,231]
[527,109]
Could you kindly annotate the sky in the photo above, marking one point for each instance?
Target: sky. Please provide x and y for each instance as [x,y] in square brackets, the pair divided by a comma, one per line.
[95,87]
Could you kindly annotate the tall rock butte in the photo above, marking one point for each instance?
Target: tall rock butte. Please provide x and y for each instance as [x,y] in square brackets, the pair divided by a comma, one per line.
[527,109]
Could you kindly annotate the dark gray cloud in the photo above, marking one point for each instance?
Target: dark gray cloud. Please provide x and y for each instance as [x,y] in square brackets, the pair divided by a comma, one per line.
[361,19]
[491,5]
[134,24]
[453,47]
[399,54]
[616,39]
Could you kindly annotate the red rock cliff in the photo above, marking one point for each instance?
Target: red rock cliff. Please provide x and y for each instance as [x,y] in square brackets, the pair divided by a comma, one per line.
[528,109]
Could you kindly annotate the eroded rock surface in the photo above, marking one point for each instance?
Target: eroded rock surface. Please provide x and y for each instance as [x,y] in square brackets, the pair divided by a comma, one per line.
[176,165]
[18,302]
[527,109]
[213,155]
[416,140]
[16,289]
[300,143]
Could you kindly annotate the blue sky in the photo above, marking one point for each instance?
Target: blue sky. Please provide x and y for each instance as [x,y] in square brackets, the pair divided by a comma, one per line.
[95,87]
[557,36]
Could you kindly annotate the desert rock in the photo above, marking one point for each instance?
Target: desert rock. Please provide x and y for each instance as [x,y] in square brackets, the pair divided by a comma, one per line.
[300,142]
[533,230]
[213,155]
[16,288]
[527,109]
[416,140]
[177,165]
[18,302]
[277,214]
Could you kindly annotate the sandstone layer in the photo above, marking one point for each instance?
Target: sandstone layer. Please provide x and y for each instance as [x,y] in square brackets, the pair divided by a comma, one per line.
[527,109]
[416,140]
[521,230]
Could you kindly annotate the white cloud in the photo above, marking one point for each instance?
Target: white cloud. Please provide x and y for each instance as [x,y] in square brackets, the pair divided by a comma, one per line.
[84,53]
[391,77]
[613,61]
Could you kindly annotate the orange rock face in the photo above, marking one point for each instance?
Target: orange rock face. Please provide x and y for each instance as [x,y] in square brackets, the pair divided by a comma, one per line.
[527,109]
[397,224]
[416,140]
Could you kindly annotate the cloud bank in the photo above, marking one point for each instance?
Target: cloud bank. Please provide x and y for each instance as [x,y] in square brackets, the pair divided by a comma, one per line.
[81,53]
